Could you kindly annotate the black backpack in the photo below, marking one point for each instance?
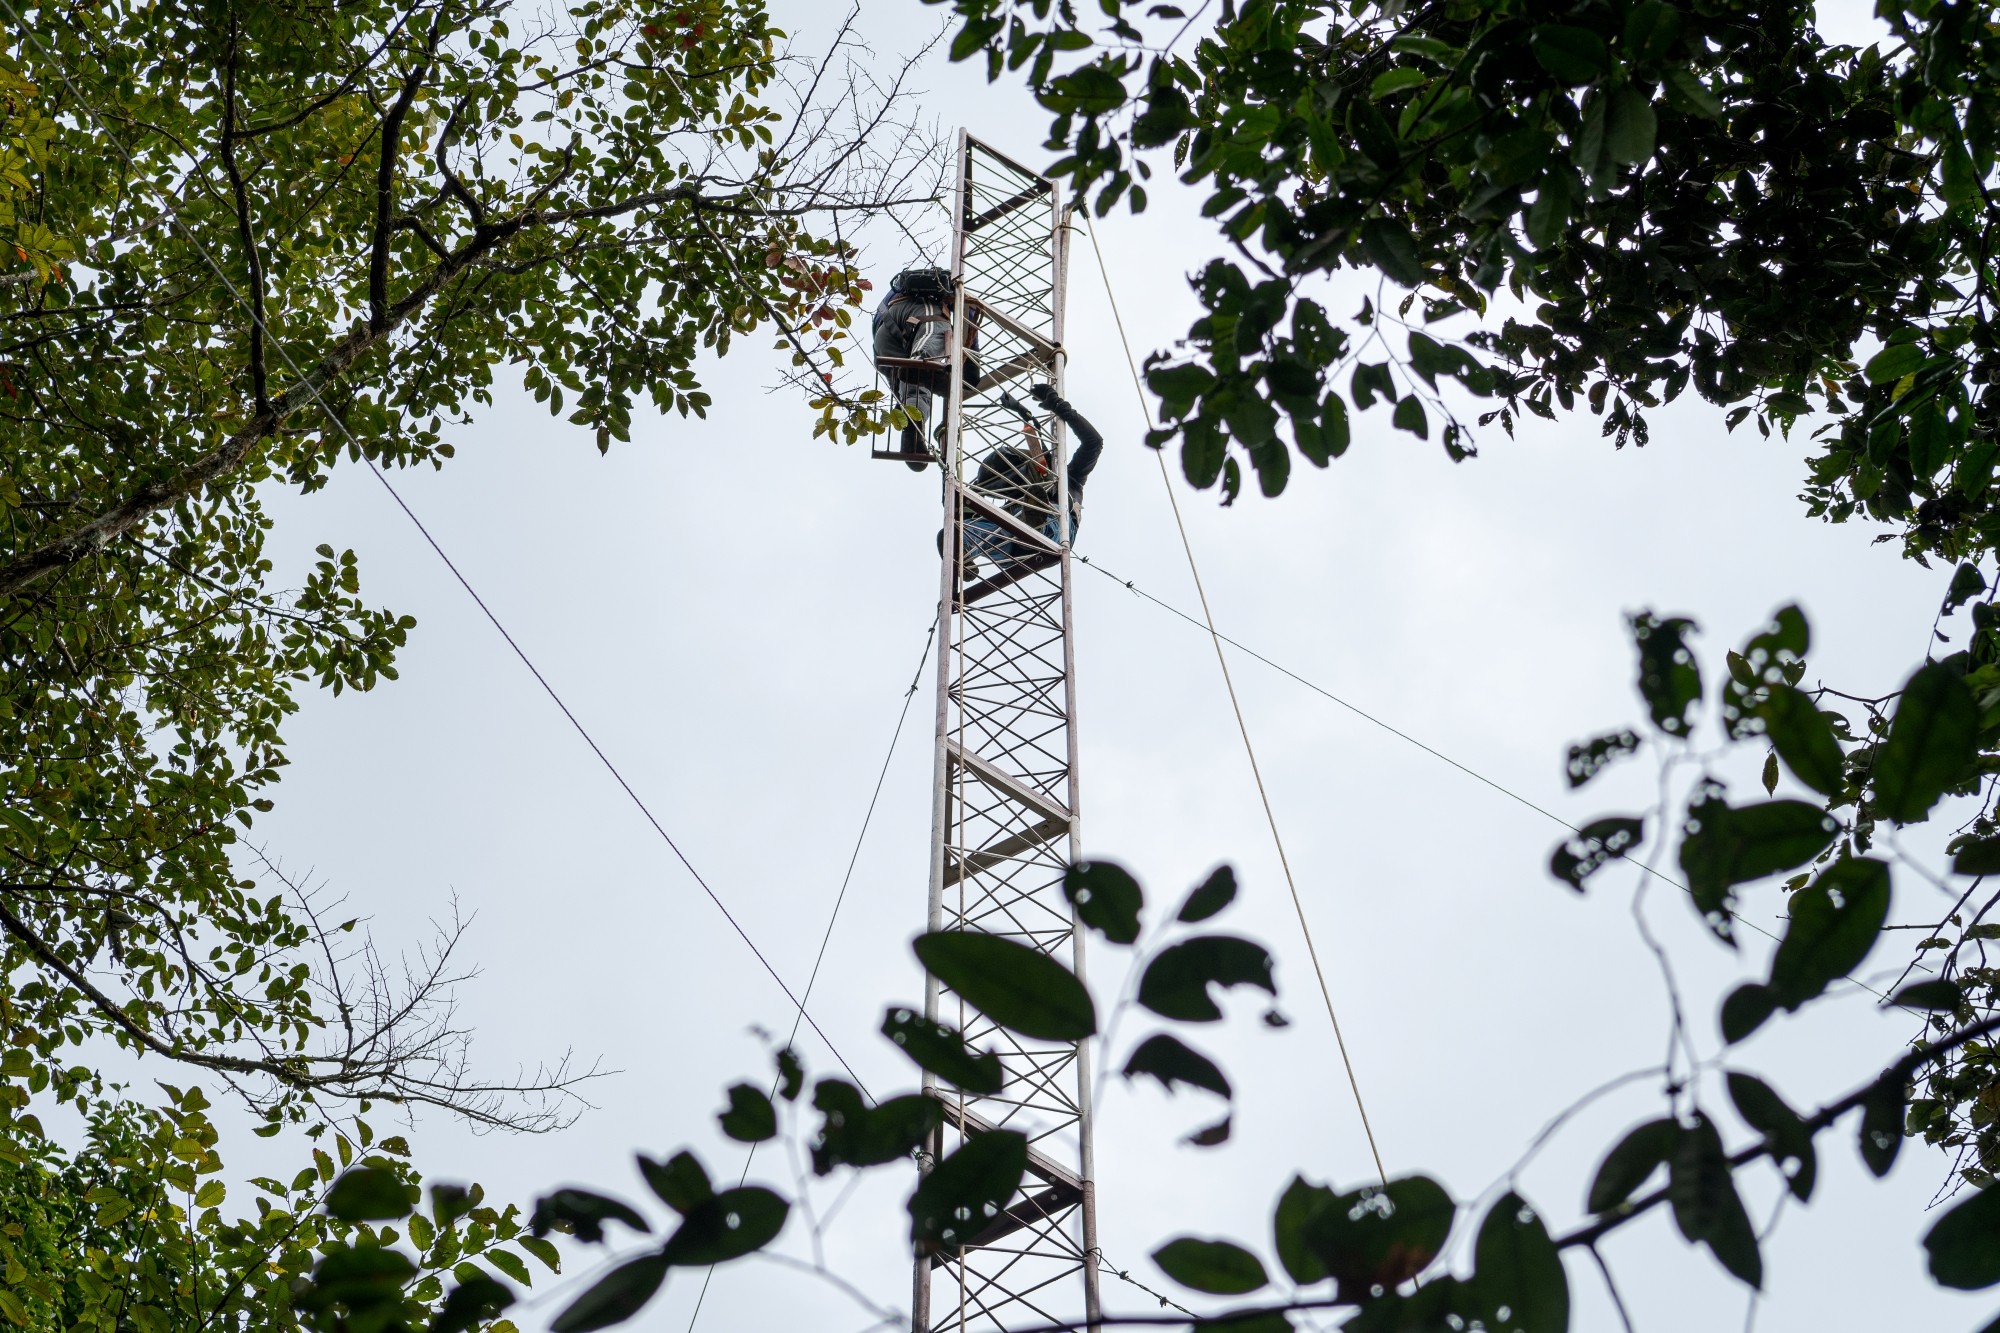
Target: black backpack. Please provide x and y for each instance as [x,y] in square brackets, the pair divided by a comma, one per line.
[925,283]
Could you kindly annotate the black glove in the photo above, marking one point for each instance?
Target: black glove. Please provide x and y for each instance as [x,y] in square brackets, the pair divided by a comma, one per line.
[1014,405]
[1045,394]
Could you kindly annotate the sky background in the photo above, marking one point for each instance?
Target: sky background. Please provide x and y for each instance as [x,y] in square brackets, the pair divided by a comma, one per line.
[735,611]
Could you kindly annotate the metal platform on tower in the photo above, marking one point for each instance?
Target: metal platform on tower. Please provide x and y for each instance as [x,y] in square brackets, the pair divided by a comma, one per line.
[1005,812]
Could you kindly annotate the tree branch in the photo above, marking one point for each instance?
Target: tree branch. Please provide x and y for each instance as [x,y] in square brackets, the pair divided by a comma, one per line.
[385,198]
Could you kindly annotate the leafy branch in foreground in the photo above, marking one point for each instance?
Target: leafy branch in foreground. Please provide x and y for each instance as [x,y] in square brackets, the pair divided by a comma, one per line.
[1402,1255]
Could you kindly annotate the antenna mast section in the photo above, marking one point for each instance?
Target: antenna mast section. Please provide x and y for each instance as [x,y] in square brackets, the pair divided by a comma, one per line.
[1005,820]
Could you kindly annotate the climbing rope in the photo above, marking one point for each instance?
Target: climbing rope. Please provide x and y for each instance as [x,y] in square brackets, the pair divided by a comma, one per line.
[1222,660]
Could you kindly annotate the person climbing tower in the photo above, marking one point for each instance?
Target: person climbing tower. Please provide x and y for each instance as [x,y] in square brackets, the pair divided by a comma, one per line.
[913,324]
[1021,481]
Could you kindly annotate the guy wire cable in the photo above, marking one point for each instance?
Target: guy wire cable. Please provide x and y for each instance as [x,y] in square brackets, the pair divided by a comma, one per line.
[916,681]
[1312,951]
[276,345]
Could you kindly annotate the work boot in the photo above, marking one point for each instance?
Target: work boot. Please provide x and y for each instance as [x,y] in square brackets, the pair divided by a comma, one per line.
[912,441]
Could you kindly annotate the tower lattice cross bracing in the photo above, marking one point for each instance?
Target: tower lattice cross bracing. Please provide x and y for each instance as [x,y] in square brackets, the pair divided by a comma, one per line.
[1005,820]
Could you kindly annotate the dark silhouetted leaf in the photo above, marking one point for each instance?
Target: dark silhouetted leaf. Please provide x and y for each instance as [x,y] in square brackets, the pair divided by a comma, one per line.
[1707,1208]
[1210,1136]
[1012,984]
[1941,995]
[1297,1207]
[359,1277]
[1804,739]
[582,1214]
[1391,248]
[1517,1268]
[1669,680]
[615,1297]
[1882,1119]
[1964,1244]
[1775,655]
[1626,1167]
[370,1194]
[1932,743]
[966,1190]
[470,1305]
[1586,761]
[791,1074]
[1835,921]
[1376,1238]
[1106,898]
[1966,583]
[732,1224]
[750,1118]
[1766,1112]
[1172,1061]
[1980,857]
[856,1134]
[1727,846]
[1595,846]
[1217,1267]
[1176,982]
[1746,1010]
[680,1181]
[944,1052]
[1573,55]
[1209,897]
[1629,126]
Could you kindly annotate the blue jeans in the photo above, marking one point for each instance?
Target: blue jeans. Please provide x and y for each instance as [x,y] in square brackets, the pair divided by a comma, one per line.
[987,540]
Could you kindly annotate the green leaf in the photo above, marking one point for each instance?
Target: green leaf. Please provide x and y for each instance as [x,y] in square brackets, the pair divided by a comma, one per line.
[1893,362]
[615,1297]
[1380,1237]
[1883,1115]
[943,1051]
[510,1263]
[359,1277]
[1409,416]
[1217,1267]
[681,1183]
[964,1193]
[856,1134]
[791,1074]
[1573,55]
[1106,898]
[1290,1222]
[1650,30]
[583,1214]
[1938,995]
[1016,986]
[732,1224]
[1396,81]
[1725,846]
[1209,897]
[1932,742]
[1792,1142]
[1702,1190]
[1746,1010]
[369,1194]
[470,1306]
[1629,126]
[1966,583]
[1550,211]
[1175,984]
[1835,921]
[1391,248]
[1669,680]
[1626,1167]
[1690,95]
[1804,739]
[1173,1062]
[1516,1267]
[750,1118]
[1595,846]
[1964,1244]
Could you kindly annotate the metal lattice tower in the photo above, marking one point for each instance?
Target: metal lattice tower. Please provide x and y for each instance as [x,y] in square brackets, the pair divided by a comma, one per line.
[1004,814]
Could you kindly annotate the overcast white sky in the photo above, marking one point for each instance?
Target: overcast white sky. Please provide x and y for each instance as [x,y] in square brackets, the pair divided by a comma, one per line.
[735,610]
